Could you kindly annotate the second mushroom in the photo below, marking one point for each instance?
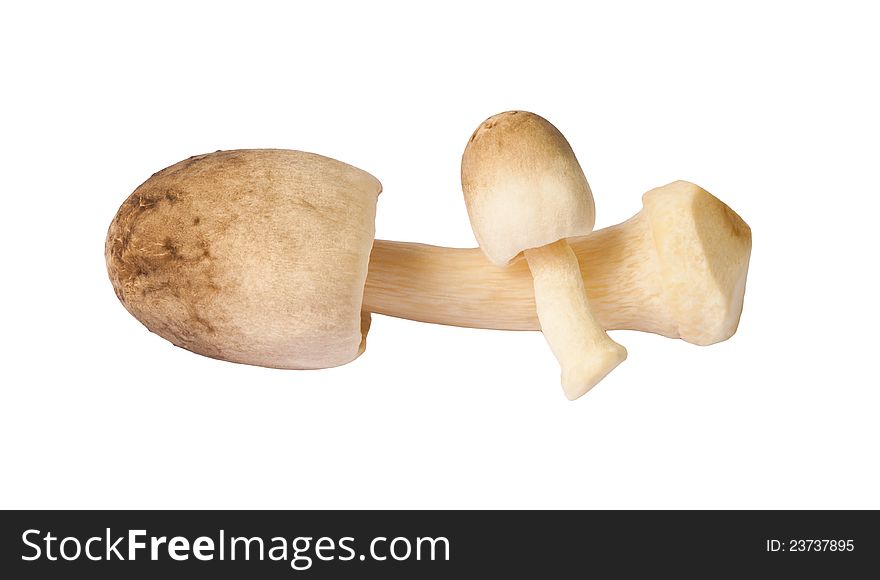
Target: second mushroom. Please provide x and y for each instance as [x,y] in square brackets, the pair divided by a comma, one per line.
[526,193]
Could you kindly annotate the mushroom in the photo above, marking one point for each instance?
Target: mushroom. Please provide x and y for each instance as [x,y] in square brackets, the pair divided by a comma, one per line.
[260,257]
[677,268]
[526,193]
[256,256]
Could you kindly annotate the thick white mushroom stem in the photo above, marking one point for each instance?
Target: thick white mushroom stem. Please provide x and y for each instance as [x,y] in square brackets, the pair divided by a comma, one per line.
[584,351]
[677,268]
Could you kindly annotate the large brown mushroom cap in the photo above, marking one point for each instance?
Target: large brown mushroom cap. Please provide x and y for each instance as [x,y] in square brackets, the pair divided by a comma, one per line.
[251,256]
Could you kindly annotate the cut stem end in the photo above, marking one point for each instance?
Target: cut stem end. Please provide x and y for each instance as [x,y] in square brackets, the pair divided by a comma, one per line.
[585,352]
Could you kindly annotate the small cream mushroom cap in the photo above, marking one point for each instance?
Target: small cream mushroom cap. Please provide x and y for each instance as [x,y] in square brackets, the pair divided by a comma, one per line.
[523,186]
[251,256]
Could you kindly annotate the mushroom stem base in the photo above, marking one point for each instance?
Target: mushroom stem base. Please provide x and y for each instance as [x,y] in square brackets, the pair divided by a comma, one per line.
[583,349]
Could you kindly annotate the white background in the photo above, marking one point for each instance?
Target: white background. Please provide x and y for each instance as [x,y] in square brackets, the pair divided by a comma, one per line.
[771,106]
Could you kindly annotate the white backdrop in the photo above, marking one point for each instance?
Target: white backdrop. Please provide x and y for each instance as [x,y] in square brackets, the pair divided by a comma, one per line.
[770,106]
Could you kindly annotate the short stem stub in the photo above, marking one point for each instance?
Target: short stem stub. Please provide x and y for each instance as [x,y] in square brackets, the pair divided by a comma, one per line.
[584,351]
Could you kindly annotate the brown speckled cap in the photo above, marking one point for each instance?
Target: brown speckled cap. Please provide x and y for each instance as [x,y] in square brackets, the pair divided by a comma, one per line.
[250,256]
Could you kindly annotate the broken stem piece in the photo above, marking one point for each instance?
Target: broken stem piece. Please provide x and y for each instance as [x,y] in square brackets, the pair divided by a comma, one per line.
[585,353]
